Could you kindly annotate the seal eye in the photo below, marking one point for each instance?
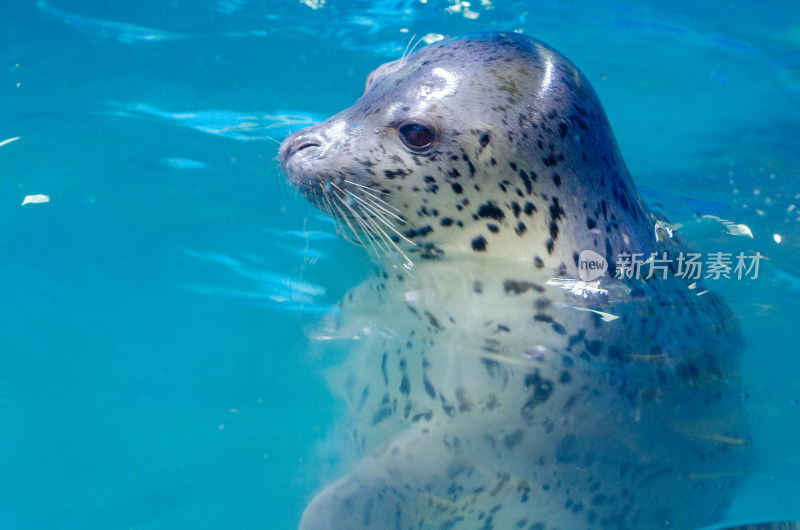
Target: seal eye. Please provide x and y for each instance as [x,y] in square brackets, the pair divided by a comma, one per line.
[416,136]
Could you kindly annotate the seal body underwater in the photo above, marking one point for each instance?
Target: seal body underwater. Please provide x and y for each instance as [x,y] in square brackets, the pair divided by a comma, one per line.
[490,387]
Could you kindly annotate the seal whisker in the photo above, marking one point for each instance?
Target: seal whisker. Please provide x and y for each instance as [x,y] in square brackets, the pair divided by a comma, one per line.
[328,210]
[369,229]
[406,52]
[347,221]
[368,189]
[365,187]
[360,220]
[374,201]
[372,220]
[387,238]
[385,222]
[372,231]
[412,48]
[326,203]
[380,209]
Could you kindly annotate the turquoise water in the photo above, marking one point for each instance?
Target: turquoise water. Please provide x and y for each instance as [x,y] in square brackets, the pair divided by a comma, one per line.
[154,361]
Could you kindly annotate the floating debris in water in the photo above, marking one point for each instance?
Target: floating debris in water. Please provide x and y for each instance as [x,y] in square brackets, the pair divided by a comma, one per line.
[430,38]
[35,199]
[735,229]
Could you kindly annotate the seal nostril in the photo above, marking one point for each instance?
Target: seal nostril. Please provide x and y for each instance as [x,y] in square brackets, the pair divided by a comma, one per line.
[305,145]
[300,142]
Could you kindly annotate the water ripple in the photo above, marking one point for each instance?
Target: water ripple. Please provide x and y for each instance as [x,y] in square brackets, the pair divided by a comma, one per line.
[267,288]
[127,33]
[235,125]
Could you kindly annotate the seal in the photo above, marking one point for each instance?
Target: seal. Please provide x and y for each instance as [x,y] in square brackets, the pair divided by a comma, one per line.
[488,384]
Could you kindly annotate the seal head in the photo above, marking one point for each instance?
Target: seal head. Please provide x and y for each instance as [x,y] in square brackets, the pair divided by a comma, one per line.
[491,143]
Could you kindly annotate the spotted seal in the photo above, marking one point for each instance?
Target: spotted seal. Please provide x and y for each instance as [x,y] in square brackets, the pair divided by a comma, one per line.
[488,386]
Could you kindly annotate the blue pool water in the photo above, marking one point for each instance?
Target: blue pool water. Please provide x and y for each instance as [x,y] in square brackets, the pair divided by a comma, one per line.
[154,361]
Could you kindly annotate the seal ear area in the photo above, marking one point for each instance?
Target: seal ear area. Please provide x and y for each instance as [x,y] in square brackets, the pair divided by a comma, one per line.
[379,73]
[417,136]
[369,83]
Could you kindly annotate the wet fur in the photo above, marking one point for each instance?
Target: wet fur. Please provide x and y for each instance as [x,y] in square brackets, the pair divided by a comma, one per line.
[482,394]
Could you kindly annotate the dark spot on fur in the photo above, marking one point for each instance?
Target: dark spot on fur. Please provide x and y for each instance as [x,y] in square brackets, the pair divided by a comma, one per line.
[426,415]
[598,499]
[594,347]
[448,409]
[383,369]
[556,211]
[479,244]
[428,387]
[542,303]
[527,181]
[490,211]
[542,388]
[512,440]
[514,287]
[405,385]
[484,140]
[433,321]
[469,163]
[419,232]
[553,230]
[393,174]
[457,188]
[529,208]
